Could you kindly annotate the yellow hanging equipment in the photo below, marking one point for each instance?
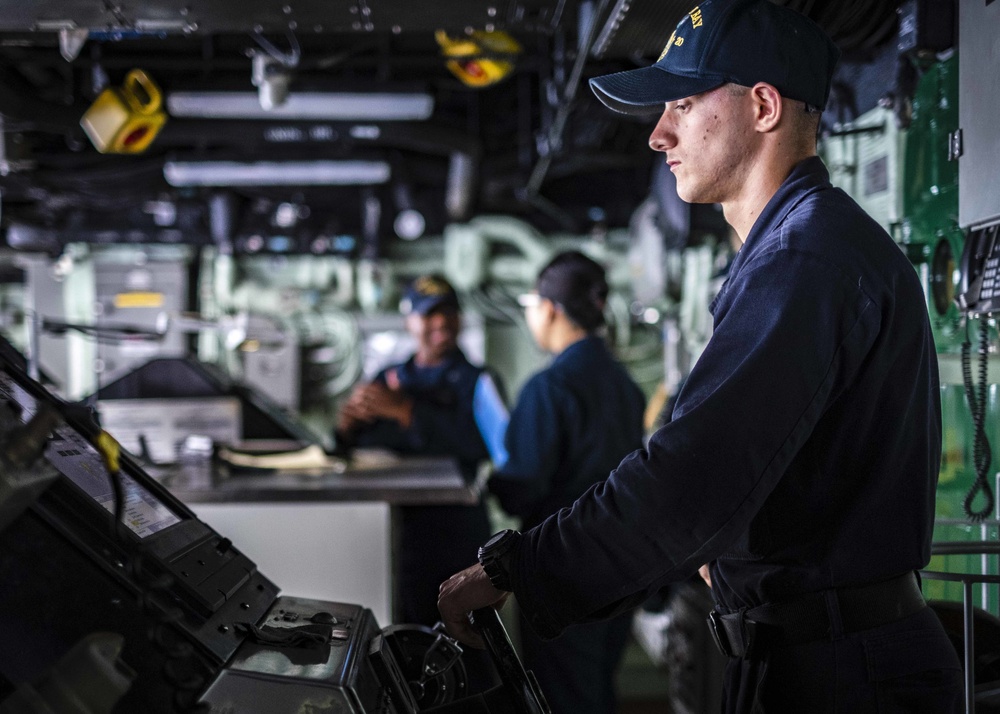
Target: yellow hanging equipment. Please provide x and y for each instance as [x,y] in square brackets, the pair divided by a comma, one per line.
[126,119]
[480,58]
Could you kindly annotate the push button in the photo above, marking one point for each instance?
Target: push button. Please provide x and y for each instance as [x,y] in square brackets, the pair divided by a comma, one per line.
[324,618]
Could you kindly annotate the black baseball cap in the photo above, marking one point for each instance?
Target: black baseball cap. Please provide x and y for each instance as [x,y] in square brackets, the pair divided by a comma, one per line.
[722,41]
[428,293]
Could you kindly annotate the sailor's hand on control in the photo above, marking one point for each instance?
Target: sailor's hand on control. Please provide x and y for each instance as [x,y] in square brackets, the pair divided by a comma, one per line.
[462,593]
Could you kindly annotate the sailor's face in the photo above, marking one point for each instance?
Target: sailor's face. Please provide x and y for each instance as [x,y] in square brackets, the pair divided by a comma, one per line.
[705,139]
[436,332]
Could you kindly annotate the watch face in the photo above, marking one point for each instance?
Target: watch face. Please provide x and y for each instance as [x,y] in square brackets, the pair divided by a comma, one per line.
[496,538]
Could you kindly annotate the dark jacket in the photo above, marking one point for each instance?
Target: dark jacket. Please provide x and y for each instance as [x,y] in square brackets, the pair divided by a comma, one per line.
[443,422]
[804,448]
[435,541]
[573,423]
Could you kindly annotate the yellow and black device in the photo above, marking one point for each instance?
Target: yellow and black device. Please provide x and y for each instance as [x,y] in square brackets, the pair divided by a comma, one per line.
[480,58]
[125,119]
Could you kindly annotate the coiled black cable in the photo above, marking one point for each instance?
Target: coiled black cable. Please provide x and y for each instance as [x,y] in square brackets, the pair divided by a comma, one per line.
[982,455]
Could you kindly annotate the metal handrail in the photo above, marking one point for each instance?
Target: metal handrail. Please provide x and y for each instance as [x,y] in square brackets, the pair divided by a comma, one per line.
[965,547]
[968,580]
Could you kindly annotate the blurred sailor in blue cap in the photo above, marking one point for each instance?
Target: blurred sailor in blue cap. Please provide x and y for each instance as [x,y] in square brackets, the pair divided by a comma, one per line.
[436,403]
[573,422]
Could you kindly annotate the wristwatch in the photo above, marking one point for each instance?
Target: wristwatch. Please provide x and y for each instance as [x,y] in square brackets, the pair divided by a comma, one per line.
[494,556]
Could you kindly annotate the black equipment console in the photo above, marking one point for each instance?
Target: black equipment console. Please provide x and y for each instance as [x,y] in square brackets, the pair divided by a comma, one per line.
[158,613]
[165,580]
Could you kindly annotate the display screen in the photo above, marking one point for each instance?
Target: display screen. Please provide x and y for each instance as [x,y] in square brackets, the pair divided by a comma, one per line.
[76,459]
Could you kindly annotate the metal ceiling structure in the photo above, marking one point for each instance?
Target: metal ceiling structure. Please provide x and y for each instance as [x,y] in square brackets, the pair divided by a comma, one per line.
[534,144]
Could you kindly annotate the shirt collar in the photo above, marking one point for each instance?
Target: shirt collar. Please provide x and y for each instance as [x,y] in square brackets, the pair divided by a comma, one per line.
[806,176]
[586,343]
[453,358]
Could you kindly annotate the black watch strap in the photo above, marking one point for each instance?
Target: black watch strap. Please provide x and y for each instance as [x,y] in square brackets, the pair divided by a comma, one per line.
[494,556]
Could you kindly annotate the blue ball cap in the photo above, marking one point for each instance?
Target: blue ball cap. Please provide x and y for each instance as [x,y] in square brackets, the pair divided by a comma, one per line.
[428,293]
[722,41]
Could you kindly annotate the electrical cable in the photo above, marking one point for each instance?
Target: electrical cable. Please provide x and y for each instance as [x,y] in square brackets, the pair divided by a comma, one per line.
[106,334]
[339,330]
[505,303]
[288,59]
[976,397]
[555,132]
[180,668]
[484,306]
[512,311]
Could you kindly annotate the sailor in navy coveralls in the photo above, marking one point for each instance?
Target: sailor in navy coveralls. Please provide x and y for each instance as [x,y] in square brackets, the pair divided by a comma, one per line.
[425,406]
[573,422]
[802,458]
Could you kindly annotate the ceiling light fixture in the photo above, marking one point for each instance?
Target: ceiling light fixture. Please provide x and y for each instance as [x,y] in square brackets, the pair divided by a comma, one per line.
[331,106]
[276,173]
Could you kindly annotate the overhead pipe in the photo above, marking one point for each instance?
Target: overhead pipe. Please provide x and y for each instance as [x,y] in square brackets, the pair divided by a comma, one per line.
[463,152]
[554,138]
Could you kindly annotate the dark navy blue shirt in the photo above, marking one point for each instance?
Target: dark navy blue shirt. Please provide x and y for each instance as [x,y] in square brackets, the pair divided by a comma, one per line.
[804,447]
[443,423]
[435,541]
[573,422]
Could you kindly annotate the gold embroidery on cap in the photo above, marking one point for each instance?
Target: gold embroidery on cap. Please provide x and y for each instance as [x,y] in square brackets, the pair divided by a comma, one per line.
[679,41]
[430,286]
[666,49]
[696,19]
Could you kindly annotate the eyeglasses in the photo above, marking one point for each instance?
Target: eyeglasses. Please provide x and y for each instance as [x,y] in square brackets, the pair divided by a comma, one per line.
[529,299]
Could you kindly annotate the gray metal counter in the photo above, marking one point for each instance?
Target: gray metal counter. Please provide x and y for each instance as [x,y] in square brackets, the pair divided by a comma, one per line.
[326,534]
[411,481]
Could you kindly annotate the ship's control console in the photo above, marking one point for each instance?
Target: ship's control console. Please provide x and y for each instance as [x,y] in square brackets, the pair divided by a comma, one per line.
[115,597]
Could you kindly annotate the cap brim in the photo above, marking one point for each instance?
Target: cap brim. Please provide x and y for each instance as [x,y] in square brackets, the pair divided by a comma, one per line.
[428,305]
[644,91]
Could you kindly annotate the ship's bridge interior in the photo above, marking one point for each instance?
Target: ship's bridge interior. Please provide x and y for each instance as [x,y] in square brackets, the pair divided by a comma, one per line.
[213,216]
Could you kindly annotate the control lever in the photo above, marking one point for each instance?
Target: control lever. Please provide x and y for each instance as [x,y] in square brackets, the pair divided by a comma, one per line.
[521,685]
[426,661]
[447,648]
